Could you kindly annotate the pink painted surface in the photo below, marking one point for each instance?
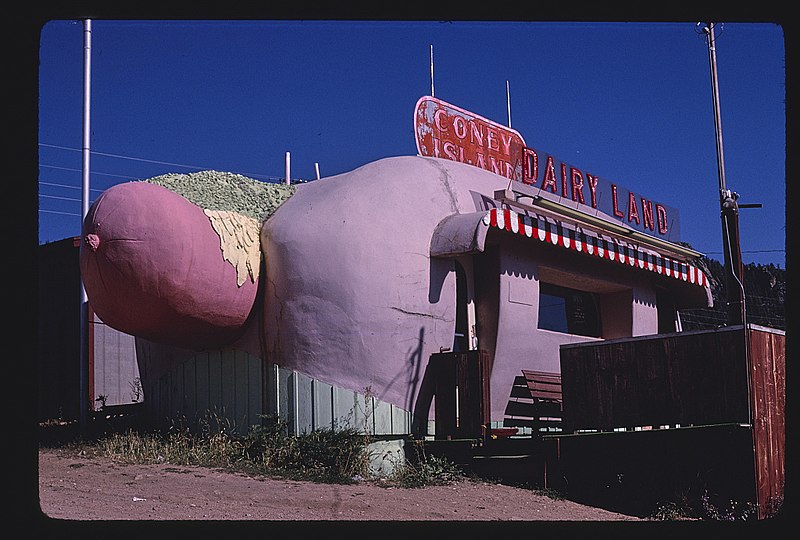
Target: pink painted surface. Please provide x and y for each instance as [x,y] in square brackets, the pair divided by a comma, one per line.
[153,267]
[352,295]
[354,298]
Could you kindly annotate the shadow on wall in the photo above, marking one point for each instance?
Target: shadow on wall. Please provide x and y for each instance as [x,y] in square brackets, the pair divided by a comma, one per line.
[414,360]
[422,406]
[439,270]
[413,370]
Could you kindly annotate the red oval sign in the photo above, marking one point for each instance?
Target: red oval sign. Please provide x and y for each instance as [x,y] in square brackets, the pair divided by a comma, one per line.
[446,131]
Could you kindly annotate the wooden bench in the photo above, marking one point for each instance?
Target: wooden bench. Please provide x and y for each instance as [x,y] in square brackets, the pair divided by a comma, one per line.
[535,402]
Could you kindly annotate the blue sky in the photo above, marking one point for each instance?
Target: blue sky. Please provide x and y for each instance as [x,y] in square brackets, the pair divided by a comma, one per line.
[630,102]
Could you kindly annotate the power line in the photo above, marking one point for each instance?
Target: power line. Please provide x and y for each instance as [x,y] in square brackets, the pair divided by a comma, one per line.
[59,198]
[67,186]
[61,213]
[751,251]
[93,172]
[119,156]
[122,156]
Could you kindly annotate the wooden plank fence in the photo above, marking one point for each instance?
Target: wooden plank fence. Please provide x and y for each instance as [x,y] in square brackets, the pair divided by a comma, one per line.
[238,389]
[461,393]
[709,382]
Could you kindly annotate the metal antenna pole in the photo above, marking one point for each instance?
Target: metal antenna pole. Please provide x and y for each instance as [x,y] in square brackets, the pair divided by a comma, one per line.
[432,92]
[508,102]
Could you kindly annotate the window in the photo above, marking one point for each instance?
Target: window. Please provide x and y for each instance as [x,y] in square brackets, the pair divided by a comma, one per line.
[568,310]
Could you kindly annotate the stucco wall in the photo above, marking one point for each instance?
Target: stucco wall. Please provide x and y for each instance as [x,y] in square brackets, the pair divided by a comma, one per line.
[354,298]
[522,345]
[645,312]
[352,294]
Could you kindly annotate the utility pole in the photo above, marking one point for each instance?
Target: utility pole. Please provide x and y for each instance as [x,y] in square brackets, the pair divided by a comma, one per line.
[84,399]
[729,208]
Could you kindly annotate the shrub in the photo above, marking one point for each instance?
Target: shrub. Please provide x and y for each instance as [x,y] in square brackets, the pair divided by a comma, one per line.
[323,455]
[423,470]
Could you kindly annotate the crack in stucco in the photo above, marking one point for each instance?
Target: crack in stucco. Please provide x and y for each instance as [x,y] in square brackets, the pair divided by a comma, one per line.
[417,313]
[443,179]
[276,351]
[426,255]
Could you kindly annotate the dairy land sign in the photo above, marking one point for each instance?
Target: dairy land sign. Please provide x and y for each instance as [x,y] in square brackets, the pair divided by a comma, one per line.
[445,131]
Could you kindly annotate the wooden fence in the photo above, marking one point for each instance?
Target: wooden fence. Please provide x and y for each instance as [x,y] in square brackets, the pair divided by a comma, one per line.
[461,390]
[238,388]
[725,380]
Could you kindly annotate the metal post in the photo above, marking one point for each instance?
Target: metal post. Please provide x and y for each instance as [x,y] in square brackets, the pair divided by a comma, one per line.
[316,170]
[712,60]
[432,92]
[729,209]
[287,181]
[508,102]
[729,212]
[83,386]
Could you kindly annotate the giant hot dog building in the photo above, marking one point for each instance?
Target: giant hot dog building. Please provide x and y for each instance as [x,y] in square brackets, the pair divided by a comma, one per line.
[348,290]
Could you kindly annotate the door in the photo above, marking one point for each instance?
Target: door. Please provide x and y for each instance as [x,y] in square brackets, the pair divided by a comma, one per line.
[465,336]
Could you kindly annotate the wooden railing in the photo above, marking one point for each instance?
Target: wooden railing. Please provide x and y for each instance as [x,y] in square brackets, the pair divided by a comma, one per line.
[461,393]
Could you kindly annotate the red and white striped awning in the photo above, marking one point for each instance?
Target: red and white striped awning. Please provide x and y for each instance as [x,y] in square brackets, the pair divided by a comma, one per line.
[595,244]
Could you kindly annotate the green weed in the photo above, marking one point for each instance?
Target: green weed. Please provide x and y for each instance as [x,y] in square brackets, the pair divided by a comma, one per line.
[268,449]
[322,455]
[424,470]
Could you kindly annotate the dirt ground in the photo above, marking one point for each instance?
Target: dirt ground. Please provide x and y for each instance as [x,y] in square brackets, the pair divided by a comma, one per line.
[74,487]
